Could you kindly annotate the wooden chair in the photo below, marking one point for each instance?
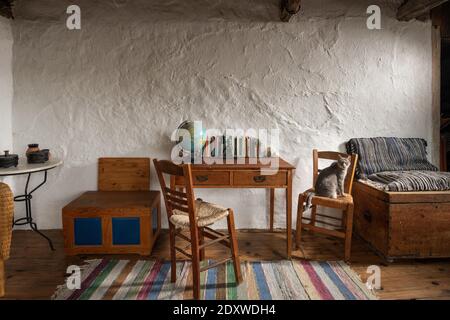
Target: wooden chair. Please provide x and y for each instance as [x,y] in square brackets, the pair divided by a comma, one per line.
[6,220]
[184,212]
[345,203]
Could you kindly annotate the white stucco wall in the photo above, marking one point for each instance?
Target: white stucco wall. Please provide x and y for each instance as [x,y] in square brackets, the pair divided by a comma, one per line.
[135,70]
[6,84]
[6,88]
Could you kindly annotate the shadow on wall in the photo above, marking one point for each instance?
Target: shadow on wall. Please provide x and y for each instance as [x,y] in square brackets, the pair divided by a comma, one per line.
[153,10]
[195,11]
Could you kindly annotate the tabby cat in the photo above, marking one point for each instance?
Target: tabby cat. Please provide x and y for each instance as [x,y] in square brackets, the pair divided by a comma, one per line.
[330,182]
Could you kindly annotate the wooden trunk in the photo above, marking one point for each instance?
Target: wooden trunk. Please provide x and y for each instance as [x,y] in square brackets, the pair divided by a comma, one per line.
[112,222]
[403,224]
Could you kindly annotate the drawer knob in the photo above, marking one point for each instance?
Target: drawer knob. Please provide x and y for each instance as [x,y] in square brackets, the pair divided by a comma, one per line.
[367,215]
[259,178]
[201,178]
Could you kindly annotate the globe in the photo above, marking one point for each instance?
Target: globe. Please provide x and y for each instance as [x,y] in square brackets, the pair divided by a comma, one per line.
[197,133]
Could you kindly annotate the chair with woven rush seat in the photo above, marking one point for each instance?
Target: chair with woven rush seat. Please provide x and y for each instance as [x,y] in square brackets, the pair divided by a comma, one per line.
[184,213]
[6,220]
[344,203]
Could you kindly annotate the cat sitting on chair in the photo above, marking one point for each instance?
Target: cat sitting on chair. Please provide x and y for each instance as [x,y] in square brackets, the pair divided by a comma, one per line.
[330,181]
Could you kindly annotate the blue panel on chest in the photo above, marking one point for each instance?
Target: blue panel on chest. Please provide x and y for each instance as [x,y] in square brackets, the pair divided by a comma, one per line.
[88,231]
[126,231]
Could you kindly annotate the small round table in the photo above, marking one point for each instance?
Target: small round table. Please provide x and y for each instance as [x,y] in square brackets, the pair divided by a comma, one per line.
[25,168]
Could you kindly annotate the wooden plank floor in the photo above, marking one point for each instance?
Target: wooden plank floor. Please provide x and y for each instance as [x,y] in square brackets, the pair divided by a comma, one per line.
[33,272]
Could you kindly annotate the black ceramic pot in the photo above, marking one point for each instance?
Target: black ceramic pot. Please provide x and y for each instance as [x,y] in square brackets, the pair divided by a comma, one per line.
[8,160]
[40,156]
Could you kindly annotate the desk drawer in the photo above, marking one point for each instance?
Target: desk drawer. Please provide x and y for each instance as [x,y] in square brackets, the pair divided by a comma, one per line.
[255,178]
[211,178]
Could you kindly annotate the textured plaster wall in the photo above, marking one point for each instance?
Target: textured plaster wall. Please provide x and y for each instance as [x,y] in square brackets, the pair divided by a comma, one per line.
[136,69]
[6,87]
[6,84]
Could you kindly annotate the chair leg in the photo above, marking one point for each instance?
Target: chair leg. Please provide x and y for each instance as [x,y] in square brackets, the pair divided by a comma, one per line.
[298,228]
[195,261]
[234,247]
[202,241]
[2,278]
[344,219]
[348,232]
[173,257]
[196,276]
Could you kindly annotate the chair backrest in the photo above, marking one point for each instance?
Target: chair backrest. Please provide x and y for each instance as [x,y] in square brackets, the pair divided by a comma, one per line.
[124,174]
[176,199]
[333,155]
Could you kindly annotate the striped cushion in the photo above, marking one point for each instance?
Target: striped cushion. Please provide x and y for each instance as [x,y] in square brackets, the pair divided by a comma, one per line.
[389,154]
[413,180]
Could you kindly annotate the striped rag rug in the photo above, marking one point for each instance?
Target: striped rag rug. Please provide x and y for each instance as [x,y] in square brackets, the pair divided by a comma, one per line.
[272,280]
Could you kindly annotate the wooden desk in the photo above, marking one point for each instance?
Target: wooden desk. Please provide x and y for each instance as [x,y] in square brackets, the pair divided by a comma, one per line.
[247,175]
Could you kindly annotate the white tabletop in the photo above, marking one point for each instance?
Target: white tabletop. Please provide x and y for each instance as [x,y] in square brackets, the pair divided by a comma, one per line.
[24,167]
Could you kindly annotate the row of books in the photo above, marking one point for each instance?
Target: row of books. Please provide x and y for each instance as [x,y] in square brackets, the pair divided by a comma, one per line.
[237,147]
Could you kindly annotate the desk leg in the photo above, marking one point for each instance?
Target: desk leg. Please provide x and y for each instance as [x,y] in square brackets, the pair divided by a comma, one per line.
[289,215]
[272,207]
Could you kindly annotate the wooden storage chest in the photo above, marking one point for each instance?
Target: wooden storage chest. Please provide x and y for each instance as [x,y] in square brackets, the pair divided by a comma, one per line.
[112,222]
[403,224]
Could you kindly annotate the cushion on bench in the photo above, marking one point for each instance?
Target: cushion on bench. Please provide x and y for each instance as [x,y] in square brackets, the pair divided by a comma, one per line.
[412,180]
[389,154]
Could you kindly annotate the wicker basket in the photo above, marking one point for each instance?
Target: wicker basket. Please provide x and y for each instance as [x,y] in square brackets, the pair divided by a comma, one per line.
[6,220]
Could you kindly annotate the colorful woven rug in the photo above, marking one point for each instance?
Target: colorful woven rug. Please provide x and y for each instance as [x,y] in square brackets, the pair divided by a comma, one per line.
[281,280]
